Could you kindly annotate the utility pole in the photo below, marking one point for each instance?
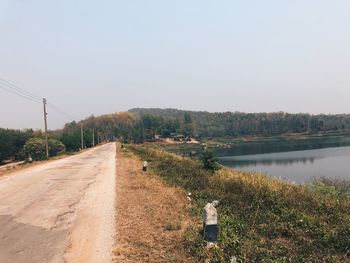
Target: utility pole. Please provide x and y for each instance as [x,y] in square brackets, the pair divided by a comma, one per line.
[46,136]
[82,135]
[93,137]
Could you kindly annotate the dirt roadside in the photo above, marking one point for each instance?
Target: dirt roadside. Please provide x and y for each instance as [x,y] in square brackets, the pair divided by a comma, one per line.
[151,217]
[19,166]
[22,165]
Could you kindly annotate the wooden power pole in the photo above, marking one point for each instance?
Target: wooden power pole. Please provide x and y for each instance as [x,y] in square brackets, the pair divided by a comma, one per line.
[93,137]
[82,136]
[46,136]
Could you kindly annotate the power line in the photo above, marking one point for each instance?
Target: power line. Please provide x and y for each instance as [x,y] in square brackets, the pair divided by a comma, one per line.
[6,88]
[19,90]
[58,110]
[11,88]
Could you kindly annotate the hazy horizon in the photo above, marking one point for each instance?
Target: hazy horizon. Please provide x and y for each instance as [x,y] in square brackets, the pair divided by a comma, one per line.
[187,110]
[112,56]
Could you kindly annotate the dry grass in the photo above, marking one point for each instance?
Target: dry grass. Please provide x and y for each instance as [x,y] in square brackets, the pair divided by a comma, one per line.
[261,219]
[151,217]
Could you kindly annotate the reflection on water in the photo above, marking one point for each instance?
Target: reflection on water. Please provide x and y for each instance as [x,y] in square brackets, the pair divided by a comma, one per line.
[286,145]
[283,162]
[297,166]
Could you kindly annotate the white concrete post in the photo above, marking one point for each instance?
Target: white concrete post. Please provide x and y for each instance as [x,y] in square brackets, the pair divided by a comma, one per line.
[144,167]
[210,222]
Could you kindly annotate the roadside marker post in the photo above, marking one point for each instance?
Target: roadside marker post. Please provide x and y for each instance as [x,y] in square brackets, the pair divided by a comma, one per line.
[145,166]
[210,223]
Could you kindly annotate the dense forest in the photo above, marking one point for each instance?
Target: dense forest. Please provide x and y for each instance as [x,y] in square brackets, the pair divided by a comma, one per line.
[139,125]
[12,142]
[107,127]
[205,124]
[17,145]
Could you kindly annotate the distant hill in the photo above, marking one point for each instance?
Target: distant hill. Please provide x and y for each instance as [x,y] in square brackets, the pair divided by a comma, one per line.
[218,124]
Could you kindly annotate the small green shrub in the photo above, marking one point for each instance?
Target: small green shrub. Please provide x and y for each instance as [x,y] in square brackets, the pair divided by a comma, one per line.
[209,161]
[35,147]
[334,187]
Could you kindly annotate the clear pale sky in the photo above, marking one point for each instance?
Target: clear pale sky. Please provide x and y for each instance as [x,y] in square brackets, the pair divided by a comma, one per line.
[96,57]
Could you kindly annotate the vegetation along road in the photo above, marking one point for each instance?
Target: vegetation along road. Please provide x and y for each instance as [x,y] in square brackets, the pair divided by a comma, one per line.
[60,211]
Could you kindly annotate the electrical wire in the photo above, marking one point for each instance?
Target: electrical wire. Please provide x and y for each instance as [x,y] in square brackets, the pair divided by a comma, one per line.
[58,110]
[6,88]
[19,90]
[11,88]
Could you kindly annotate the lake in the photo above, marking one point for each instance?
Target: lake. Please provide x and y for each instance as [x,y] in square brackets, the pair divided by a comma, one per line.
[294,159]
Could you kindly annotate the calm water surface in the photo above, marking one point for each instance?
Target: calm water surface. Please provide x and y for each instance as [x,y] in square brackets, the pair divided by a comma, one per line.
[299,166]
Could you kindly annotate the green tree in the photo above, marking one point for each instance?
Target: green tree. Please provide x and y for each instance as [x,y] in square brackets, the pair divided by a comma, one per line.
[151,125]
[188,125]
[209,161]
[35,147]
[12,142]
[71,140]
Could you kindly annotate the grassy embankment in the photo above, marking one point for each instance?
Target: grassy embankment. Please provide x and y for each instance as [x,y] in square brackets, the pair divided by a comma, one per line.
[149,215]
[261,219]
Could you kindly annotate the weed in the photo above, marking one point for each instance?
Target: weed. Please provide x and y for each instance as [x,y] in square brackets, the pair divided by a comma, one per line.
[172,226]
[261,219]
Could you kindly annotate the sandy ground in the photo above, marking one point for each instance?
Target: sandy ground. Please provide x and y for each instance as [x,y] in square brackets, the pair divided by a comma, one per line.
[60,211]
[10,166]
[170,141]
[151,217]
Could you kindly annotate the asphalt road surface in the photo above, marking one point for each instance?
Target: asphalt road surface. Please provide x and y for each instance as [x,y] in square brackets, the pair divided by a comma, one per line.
[60,211]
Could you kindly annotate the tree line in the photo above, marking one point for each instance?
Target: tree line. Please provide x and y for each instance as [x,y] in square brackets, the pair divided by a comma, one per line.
[205,124]
[16,145]
[139,125]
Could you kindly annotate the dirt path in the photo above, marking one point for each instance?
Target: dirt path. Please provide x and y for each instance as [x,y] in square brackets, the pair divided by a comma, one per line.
[151,217]
[61,211]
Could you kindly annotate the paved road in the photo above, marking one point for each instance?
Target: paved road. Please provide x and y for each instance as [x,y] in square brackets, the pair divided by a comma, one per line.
[60,211]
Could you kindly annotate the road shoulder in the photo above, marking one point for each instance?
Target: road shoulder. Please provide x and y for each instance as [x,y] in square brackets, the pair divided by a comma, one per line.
[151,217]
